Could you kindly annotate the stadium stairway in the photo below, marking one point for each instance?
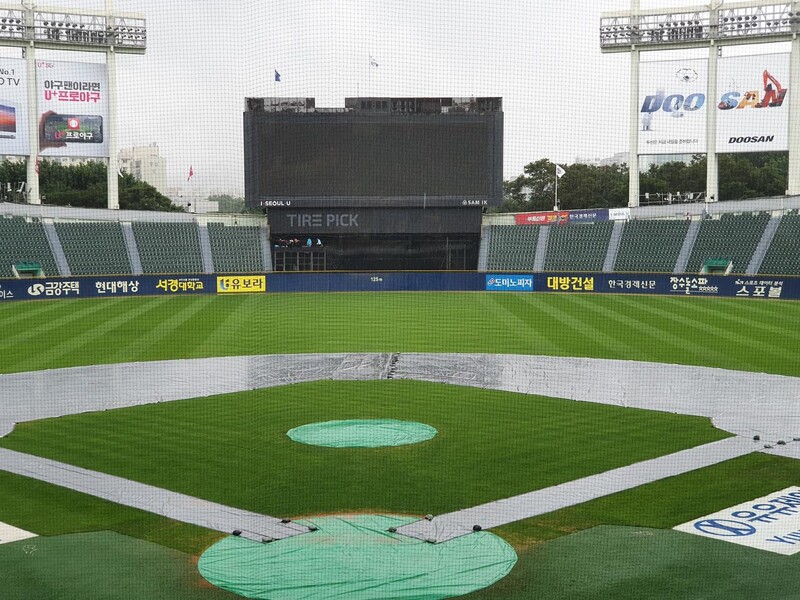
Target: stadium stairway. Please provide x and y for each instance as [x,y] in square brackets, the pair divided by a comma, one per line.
[205,249]
[761,250]
[541,249]
[613,246]
[130,247]
[688,245]
[57,249]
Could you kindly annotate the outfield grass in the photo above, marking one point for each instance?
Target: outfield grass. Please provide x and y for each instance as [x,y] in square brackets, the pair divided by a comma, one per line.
[535,441]
[748,335]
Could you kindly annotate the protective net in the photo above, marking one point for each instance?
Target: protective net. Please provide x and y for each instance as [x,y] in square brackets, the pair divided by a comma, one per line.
[356,557]
[366,433]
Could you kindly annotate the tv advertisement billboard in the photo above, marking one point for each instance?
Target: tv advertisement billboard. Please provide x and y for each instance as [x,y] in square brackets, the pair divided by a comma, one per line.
[14,137]
[672,106]
[73,108]
[753,106]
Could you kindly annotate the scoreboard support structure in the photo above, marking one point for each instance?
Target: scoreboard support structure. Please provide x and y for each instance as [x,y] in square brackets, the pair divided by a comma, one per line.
[712,26]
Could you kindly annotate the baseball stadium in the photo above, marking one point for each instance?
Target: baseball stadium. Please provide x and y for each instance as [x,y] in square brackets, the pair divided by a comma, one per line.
[376,384]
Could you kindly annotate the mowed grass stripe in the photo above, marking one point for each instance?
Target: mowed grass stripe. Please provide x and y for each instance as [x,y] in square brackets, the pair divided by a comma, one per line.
[749,317]
[744,348]
[17,322]
[186,321]
[108,327]
[399,322]
[25,350]
[515,311]
[593,336]
[644,338]
[680,347]
[724,350]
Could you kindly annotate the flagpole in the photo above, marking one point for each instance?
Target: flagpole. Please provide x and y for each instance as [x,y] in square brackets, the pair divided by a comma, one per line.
[555,207]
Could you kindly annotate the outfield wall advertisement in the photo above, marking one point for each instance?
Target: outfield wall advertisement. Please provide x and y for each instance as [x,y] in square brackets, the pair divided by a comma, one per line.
[53,288]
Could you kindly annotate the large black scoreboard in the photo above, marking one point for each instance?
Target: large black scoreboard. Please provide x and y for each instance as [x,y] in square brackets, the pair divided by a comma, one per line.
[374,152]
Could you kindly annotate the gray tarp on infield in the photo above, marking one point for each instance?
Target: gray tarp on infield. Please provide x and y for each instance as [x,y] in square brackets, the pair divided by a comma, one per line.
[57,392]
[740,402]
[501,512]
[746,404]
[150,498]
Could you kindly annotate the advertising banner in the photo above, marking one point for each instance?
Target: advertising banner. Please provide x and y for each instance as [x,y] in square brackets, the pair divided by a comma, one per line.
[509,283]
[542,218]
[241,284]
[588,216]
[14,138]
[619,214]
[672,106]
[569,282]
[769,523]
[361,221]
[73,108]
[729,286]
[753,108]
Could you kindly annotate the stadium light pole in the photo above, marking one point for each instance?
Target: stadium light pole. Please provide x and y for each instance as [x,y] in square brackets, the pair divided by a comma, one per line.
[633,155]
[111,170]
[52,28]
[793,180]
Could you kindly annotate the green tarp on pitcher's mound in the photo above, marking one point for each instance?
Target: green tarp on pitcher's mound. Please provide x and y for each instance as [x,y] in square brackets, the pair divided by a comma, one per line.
[362,433]
[356,557]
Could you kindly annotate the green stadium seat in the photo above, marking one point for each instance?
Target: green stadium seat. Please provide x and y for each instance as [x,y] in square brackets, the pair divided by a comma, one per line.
[24,241]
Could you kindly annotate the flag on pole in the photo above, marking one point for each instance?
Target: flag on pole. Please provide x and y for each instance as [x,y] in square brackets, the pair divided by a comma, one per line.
[191,173]
[277,75]
[372,61]
[560,171]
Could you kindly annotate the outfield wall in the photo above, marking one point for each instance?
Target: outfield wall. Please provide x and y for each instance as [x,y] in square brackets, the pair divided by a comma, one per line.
[770,288]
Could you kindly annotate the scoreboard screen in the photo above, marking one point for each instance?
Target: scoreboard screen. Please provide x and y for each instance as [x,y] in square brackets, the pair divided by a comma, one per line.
[341,159]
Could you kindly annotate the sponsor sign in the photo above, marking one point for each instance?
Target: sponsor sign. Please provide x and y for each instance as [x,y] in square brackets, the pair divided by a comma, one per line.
[54,289]
[14,138]
[693,285]
[542,218]
[631,284]
[72,100]
[619,214]
[509,283]
[571,283]
[753,106]
[769,523]
[183,285]
[241,284]
[672,106]
[588,216]
[758,288]
[114,287]
[5,293]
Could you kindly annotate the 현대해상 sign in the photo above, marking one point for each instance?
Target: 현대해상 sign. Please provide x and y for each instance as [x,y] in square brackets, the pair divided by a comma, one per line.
[769,523]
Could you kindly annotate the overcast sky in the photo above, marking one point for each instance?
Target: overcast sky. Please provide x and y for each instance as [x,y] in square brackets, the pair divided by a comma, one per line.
[563,99]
